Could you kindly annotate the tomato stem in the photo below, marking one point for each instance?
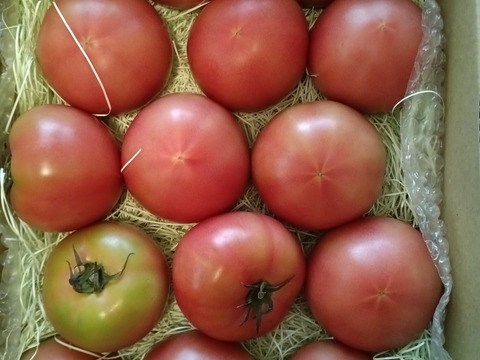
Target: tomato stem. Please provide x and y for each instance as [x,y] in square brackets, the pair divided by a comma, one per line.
[90,277]
[259,300]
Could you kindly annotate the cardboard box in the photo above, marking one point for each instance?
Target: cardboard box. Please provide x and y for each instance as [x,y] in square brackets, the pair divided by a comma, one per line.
[461,206]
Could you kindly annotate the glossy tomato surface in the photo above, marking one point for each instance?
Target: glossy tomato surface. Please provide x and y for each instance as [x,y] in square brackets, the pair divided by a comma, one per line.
[362,52]
[194,159]
[51,349]
[247,55]
[65,168]
[98,315]
[195,345]
[329,350]
[372,284]
[236,275]
[108,57]
[319,164]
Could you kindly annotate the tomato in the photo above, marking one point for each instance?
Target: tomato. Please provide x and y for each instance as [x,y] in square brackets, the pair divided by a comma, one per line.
[247,55]
[51,349]
[195,345]
[362,52]
[180,4]
[105,287]
[329,350]
[314,3]
[194,159]
[127,45]
[65,168]
[319,164]
[372,283]
[236,275]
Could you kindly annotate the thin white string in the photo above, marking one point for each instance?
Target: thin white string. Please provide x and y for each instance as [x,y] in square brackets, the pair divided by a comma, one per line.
[69,346]
[418,93]
[95,73]
[129,161]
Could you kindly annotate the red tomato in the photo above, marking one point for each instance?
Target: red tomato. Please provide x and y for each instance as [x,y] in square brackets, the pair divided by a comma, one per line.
[126,42]
[236,275]
[329,350]
[247,55]
[65,168]
[105,287]
[362,52]
[181,4]
[50,349]
[319,164]
[194,345]
[372,284]
[194,159]
[314,3]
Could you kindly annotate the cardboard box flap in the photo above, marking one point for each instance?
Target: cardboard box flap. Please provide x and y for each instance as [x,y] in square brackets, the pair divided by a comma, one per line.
[461,205]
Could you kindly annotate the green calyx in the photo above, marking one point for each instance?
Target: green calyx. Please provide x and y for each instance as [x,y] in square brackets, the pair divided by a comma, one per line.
[90,277]
[259,300]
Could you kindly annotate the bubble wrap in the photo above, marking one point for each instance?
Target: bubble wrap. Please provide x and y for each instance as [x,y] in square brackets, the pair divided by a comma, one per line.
[422,129]
[10,317]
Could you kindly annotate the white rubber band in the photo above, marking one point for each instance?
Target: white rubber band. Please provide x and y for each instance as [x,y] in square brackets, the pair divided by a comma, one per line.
[71,347]
[95,73]
[129,161]
[418,93]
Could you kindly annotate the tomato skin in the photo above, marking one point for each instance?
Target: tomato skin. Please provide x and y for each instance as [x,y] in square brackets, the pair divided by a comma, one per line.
[132,75]
[319,164]
[127,308]
[362,52]
[244,59]
[195,345]
[329,350]
[219,257]
[372,284]
[65,168]
[50,349]
[194,160]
